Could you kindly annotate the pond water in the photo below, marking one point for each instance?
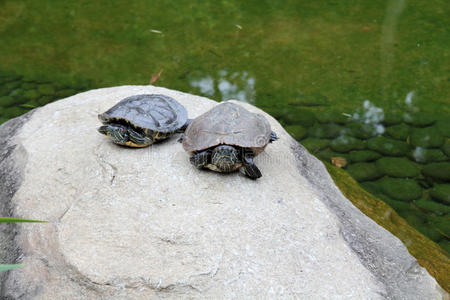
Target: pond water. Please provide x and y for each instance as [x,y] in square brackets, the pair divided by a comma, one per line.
[364,84]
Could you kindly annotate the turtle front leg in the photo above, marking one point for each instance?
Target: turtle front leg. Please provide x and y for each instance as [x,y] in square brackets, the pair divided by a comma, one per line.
[250,169]
[138,139]
[201,159]
[183,128]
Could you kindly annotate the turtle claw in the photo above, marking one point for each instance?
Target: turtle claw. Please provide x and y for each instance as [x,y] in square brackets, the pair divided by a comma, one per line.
[250,169]
[200,159]
[181,138]
[183,128]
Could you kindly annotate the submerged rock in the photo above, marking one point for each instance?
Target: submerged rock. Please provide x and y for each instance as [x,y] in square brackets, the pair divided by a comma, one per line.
[327,131]
[388,146]
[397,167]
[428,137]
[345,144]
[363,155]
[399,132]
[314,145]
[298,132]
[443,126]
[400,188]
[438,171]
[332,117]
[441,193]
[143,223]
[364,171]
[422,155]
[420,119]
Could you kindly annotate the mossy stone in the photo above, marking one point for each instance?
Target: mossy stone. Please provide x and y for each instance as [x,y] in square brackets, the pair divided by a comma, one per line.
[298,132]
[428,137]
[325,131]
[399,206]
[17,93]
[422,155]
[430,232]
[13,111]
[419,119]
[314,145]
[4,78]
[363,155]
[371,187]
[438,171]
[400,188]
[293,116]
[390,119]
[446,148]
[6,88]
[413,218]
[441,223]
[388,146]
[443,126]
[65,93]
[397,167]
[31,94]
[44,100]
[361,130]
[332,117]
[441,193]
[364,171]
[6,101]
[28,85]
[433,206]
[328,154]
[46,89]
[345,144]
[398,132]
[445,244]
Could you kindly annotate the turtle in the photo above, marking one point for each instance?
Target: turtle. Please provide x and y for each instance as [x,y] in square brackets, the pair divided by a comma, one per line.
[141,120]
[227,138]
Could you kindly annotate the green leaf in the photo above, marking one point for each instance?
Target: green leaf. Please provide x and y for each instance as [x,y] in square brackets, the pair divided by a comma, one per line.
[14,220]
[9,267]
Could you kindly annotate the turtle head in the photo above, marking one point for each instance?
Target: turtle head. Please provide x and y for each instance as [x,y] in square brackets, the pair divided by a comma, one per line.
[225,158]
[117,133]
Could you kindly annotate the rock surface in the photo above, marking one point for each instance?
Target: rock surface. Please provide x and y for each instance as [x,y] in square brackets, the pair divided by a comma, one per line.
[143,223]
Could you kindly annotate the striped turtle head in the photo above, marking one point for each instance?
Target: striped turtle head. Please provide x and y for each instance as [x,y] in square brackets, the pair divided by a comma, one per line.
[225,158]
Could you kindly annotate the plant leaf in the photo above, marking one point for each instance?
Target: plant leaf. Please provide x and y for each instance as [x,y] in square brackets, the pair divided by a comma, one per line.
[14,220]
[155,77]
[9,267]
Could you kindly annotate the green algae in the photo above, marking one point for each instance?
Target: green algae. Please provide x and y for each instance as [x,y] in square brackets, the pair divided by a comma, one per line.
[428,254]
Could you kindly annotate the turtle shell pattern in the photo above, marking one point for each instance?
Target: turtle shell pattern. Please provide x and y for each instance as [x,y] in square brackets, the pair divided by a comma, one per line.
[228,124]
[158,113]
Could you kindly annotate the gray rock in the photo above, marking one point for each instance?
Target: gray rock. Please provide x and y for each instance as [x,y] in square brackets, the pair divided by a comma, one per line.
[143,223]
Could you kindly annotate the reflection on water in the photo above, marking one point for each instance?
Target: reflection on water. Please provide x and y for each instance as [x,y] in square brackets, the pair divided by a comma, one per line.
[227,85]
[372,116]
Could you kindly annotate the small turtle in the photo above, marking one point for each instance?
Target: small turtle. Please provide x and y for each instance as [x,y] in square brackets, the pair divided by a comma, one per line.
[226,138]
[141,120]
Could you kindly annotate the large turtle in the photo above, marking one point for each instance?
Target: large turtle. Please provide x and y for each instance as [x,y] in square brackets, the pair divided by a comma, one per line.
[142,120]
[226,138]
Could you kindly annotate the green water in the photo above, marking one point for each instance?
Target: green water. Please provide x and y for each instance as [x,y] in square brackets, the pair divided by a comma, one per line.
[367,81]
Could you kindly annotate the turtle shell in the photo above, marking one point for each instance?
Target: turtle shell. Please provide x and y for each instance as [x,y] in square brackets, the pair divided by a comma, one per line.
[229,124]
[155,112]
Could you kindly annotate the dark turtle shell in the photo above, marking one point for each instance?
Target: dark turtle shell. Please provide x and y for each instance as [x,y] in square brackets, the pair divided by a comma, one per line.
[155,112]
[228,124]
